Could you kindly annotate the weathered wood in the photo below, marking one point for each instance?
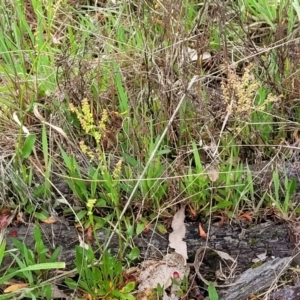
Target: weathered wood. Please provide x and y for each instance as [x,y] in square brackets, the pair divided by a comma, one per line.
[242,244]
[286,293]
[256,280]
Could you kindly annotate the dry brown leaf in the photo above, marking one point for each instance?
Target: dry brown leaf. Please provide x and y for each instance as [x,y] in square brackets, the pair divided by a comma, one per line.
[205,251]
[260,257]
[202,232]
[193,55]
[87,296]
[16,119]
[224,255]
[213,174]
[82,243]
[206,56]
[42,119]
[15,287]
[19,219]
[179,229]
[50,220]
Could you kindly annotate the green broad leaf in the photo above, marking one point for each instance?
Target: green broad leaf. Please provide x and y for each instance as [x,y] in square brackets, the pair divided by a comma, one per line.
[45,144]
[55,254]
[199,167]
[296,6]
[162,152]
[71,283]
[28,146]
[41,215]
[129,287]
[123,99]
[37,233]
[101,292]
[223,204]
[94,175]
[212,292]
[99,222]
[140,227]
[130,160]
[84,285]
[130,231]
[66,158]
[161,228]
[27,253]
[134,253]
[101,203]
[79,259]
[81,214]
[47,291]
[2,250]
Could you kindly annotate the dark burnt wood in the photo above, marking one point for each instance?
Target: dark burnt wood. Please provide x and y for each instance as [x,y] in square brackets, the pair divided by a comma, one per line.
[241,243]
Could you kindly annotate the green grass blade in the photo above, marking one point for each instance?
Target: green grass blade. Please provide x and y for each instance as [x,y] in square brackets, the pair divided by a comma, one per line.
[36,267]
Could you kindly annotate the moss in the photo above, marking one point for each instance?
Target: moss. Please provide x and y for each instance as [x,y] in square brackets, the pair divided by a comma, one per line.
[253,241]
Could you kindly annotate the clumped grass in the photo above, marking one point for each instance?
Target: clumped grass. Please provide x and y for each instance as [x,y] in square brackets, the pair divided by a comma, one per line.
[116,112]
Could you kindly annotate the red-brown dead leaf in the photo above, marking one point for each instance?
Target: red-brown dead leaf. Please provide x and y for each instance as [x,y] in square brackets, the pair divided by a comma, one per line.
[126,279]
[168,222]
[78,227]
[3,221]
[202,232]
[110,140]
[5,211]
[87,296]
[222,219]
[14,233]
[89,235]
[147,228]
[192,211]
[116,120]
[246,216]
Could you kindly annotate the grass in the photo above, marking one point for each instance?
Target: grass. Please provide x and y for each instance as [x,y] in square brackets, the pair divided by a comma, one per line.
[108,102]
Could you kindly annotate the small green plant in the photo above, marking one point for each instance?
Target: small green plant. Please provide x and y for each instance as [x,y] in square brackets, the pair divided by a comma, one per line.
[282,193]
[96,133]
[135,62]
[102,279]
[182,287]
[98,186]
[196,184]
[152,186]
[32,267]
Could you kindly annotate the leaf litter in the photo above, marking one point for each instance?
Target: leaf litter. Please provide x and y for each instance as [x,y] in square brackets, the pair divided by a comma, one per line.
[179,230]
[172,267]
[153,273]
